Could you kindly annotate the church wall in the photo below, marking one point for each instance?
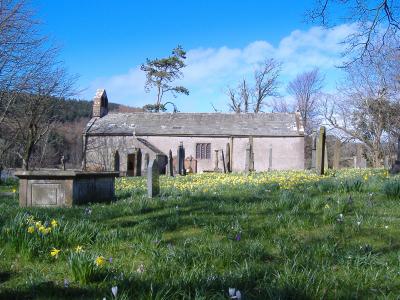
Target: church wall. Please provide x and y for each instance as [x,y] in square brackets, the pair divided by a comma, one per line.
[287,152]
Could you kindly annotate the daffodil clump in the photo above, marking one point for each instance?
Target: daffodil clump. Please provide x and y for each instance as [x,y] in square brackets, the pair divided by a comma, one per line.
[48,237]
[217,182]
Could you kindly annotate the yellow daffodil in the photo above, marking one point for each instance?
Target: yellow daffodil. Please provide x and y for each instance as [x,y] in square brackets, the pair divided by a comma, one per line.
[54,252]
[30,220]
[44,230]
[100,261]
[54,223]
[38,224]
[31,229]
[78,249]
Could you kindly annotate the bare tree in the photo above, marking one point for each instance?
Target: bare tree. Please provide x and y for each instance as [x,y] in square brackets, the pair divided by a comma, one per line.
[367,107]
[30,74]
[245,98]
[306,89]
[239,98]
[376,20]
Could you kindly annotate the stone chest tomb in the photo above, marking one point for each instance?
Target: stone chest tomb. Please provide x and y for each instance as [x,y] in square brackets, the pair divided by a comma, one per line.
[53,188]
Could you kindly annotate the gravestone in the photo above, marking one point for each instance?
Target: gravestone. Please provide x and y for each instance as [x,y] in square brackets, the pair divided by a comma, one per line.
[320,153]
[223,160]
[170,166]
[181,160]
[270,158]
[62,162]
[361,162]
[396,166]
[138,164]
[386,162]
[249,163]
[326,162]
[336,155]
[228,158]
[314,150]
[191,164]
[153,179]
[216,161]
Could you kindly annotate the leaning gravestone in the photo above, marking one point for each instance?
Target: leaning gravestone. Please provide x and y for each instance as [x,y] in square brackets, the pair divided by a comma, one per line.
[396,166]
[153,179]
[320,155]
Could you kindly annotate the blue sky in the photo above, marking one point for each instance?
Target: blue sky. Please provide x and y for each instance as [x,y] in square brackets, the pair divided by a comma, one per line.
[106,41]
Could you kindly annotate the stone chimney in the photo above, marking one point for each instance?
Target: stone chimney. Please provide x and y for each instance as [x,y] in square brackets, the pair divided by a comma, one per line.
[100,104]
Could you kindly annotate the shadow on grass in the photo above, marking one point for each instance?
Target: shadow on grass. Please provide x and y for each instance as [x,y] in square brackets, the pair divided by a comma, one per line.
[49,290]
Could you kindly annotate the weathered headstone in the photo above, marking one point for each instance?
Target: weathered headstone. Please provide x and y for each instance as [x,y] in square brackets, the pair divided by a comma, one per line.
[153,179]
[249,163]
[216,161]
[138,164]
[228,158]
[248,158]
[62,162]
[361,161]
[336,155]
[223,160]
[320,154]
[396,166]
[270,158]
[170,171]
[181,160]
[314,150]
[386,162]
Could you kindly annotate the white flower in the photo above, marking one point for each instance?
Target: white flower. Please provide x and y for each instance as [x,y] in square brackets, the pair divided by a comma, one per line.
[232,292]
[386,227]
[358,223]
[114,291]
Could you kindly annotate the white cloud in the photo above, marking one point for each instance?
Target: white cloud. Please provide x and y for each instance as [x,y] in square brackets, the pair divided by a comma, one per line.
[210,70]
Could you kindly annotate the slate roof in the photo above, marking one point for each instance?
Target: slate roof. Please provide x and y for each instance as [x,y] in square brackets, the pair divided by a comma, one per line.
[197,124]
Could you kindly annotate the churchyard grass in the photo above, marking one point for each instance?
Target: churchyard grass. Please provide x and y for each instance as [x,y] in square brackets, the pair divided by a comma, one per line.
[269,235]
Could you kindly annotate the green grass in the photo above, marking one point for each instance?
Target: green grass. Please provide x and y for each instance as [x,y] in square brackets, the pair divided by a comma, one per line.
[337,238]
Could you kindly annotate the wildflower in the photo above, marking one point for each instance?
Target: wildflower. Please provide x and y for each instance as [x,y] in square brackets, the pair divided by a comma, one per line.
[238,237]
[386,227]
[140,269]
[45,231]
[78,249]
[114,291]
[54,252]
[358,223]
[54,223]
[31,229]
[100,261]
[110,260]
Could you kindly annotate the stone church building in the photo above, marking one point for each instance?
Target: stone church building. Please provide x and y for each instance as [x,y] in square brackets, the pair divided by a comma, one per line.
[125,142]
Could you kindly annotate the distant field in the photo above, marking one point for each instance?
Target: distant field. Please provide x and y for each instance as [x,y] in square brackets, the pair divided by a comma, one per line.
[287,235]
